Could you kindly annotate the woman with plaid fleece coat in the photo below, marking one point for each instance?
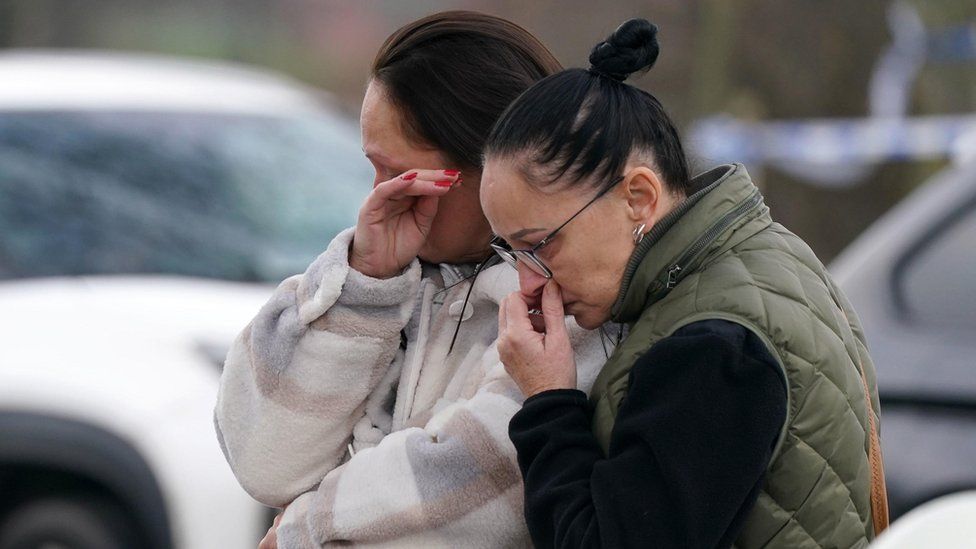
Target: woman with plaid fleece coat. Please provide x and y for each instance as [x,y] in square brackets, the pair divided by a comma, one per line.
[429,463]
[367,394]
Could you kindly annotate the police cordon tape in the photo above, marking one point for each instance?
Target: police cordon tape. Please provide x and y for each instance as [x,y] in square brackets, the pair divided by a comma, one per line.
[835,142]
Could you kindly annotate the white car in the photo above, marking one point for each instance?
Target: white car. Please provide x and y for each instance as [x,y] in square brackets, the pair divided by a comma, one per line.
[146,206]
[948,522]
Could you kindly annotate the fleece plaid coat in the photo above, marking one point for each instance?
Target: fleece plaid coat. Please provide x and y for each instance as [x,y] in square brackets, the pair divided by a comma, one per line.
[371,439]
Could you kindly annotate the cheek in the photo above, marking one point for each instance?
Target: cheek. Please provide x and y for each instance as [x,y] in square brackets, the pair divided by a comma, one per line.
[590,272]
[459,222]
[455,207]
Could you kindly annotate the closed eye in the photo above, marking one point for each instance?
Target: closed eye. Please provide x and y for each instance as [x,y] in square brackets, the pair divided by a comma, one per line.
[383,171]
[500,242]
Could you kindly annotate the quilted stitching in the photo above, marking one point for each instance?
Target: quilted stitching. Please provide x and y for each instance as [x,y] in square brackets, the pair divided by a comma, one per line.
[773,282]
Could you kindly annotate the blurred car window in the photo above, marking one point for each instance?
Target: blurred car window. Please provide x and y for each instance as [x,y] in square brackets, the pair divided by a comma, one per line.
[232,196]
[938,280]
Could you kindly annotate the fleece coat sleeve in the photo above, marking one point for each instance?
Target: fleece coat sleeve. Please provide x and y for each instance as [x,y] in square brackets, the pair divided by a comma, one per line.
[452,481]
[298,377]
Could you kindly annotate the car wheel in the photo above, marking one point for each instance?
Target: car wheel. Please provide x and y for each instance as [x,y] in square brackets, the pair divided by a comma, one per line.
[66,523]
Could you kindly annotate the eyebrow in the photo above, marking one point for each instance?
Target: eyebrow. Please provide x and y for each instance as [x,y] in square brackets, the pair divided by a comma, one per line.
[382,160]
[375,156]
[524,232]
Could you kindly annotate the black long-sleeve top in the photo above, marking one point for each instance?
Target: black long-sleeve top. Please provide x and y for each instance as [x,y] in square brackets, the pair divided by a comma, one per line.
[688,451]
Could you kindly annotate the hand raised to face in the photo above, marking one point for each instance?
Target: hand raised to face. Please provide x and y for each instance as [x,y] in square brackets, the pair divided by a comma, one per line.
[395,220]
[536,361]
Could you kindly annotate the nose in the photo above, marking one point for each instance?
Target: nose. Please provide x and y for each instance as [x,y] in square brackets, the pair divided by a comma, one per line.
[531,283]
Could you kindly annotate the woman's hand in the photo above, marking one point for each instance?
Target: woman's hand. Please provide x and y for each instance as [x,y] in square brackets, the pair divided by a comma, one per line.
[395,220]
[270,540]
[536,361]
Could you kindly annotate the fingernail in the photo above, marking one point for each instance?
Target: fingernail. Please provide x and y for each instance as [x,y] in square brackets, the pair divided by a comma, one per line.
[410,176]
[443,183]
[451,173]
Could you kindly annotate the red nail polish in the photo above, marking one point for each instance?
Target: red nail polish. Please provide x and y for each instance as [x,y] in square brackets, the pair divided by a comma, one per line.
[443,183]
[410,176]
[451,173]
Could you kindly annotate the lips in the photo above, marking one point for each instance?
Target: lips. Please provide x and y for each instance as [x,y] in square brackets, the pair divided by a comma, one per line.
[534,303]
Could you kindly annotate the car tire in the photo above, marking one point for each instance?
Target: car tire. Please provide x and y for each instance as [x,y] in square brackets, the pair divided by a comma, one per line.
[67,523]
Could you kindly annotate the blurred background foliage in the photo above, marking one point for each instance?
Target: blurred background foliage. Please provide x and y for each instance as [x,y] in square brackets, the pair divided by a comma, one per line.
[752,59]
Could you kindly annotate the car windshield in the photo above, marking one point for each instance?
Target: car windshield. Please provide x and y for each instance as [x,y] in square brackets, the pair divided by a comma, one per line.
[237,197]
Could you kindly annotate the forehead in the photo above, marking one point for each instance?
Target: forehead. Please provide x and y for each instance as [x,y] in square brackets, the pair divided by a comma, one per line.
[511,203]
[503,186]
[382,128]
[378,115]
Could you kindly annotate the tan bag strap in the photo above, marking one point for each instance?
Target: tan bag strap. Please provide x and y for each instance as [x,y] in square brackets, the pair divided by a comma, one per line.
[879,491]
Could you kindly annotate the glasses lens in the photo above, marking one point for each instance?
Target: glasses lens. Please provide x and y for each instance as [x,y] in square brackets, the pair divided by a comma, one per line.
[533,262]
[505,254]
[513,257]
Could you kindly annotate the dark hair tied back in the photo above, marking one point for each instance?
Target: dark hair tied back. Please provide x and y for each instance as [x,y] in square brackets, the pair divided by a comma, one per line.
[631,48]
[583,127]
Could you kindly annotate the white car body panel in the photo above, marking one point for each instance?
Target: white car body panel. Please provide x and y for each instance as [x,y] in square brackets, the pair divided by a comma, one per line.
[122,353]
[139,356]
[53,79]
[947,523]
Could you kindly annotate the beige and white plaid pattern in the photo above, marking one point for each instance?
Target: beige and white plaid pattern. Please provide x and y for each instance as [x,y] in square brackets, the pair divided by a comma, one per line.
[372,445]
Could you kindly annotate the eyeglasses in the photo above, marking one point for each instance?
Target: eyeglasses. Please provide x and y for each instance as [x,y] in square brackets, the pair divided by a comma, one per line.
[528,256]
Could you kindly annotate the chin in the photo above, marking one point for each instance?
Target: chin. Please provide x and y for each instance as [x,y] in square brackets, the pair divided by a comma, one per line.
[448,251]
[433,254]
[587,321]
[587,324]
[586,317]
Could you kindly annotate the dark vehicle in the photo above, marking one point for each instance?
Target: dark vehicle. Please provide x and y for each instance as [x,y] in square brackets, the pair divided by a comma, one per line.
[912,279]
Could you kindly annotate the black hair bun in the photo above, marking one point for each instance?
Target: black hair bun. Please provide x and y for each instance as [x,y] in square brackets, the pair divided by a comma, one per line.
[631,48]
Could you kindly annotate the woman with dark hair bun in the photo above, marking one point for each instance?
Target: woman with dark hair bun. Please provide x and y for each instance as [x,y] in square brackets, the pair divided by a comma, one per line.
[367,395]
[741,407]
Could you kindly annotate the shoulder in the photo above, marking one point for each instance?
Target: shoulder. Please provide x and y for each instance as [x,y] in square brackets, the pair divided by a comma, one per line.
[726,330]
[713,372]
[726,333]
[713,349]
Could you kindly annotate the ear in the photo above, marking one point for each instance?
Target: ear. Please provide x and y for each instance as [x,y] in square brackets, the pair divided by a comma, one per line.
[645,194]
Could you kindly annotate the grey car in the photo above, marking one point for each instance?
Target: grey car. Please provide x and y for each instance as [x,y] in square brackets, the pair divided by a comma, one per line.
[912,280]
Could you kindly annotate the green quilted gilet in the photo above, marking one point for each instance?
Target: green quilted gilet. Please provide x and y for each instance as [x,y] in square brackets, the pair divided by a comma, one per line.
[720,256]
